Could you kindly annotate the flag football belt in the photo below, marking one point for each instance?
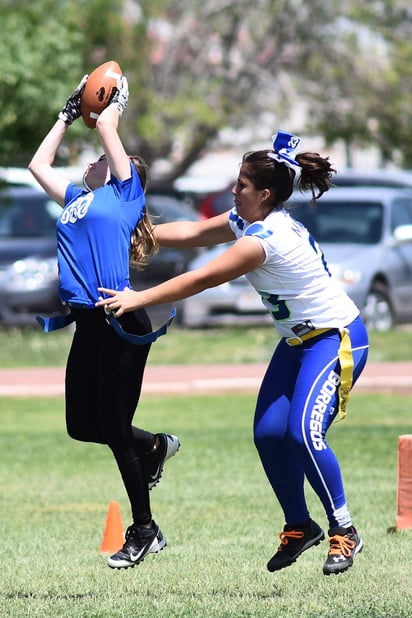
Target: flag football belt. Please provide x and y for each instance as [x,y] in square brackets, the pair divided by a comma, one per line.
[313,333]
[345,359]
[60,321]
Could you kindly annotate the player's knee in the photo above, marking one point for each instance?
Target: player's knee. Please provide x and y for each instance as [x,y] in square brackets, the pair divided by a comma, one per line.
[83,435]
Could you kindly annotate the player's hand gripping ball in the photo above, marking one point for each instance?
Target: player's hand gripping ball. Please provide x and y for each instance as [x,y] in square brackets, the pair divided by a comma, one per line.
[99,91]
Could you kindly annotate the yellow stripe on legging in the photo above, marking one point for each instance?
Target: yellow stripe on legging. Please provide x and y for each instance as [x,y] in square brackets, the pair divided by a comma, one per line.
[346,371]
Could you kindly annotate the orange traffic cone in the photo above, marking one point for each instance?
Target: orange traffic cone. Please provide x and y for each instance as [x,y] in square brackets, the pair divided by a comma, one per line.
[113,537]
[404,491]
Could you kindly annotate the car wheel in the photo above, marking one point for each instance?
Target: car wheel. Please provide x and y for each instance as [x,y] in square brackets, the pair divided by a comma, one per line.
[377,312]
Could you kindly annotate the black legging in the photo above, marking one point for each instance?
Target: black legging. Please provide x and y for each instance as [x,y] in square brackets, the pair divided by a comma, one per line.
[104,376]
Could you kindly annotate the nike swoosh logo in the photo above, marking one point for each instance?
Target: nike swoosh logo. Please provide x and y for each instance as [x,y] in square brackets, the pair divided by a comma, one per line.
[156,474]
[134,557]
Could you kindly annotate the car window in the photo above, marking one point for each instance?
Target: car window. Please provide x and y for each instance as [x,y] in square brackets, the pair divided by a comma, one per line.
[27,216]
[401,213]
[338,222]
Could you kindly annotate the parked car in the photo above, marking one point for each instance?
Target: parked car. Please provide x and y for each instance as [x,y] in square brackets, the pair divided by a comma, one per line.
[164,207]
[366,235]
[220,201]
[28,264]
[373,178]
[22,177]
[217,202]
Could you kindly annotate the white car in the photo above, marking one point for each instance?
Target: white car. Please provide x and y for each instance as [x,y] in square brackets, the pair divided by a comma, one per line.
[366,235]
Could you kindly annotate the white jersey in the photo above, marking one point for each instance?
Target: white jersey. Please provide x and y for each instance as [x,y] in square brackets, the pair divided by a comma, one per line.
[294,281]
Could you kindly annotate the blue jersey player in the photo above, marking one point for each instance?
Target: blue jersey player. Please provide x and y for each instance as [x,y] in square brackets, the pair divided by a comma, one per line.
[324,342]
[101,228]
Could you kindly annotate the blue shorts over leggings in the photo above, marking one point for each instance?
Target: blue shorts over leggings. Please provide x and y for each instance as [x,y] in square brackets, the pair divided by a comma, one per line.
[297,402]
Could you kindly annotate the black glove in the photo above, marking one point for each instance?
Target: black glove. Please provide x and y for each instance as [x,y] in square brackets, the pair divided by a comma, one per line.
[71,111]
[121,97]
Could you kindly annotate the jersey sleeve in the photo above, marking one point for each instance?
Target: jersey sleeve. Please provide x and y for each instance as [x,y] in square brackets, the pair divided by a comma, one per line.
[72,193]
[130,189]
[263,234]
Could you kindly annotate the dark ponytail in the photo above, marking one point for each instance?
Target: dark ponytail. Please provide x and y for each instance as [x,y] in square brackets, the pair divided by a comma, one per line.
[316,171]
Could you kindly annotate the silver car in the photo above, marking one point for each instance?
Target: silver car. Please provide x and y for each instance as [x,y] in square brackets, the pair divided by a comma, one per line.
[366,236]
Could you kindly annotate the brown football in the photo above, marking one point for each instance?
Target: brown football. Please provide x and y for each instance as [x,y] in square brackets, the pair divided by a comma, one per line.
[98,92]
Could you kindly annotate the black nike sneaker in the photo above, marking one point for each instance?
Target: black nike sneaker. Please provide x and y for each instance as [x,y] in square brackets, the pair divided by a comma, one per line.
[155,460]
[344,544]
[139,543]
[293,543]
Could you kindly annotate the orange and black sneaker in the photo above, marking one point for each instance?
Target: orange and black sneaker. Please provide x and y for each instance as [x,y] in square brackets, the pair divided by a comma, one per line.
[344,543]
[293,542]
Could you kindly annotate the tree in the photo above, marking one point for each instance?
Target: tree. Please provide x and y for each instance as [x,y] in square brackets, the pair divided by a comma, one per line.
[36,48]
[392,111]
[46,47]
[222,63]
[367,100]
[197,67]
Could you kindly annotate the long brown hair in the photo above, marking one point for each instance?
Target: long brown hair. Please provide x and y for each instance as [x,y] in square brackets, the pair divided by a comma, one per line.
[143,243]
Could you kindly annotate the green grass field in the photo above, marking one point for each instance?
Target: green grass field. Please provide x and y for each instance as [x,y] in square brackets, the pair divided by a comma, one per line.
[32,347]
[214,507]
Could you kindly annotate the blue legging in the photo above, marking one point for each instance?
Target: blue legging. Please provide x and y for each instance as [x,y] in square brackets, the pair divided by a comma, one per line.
[297,402]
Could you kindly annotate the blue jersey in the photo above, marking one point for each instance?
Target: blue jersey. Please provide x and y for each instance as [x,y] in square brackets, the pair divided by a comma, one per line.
[93,238]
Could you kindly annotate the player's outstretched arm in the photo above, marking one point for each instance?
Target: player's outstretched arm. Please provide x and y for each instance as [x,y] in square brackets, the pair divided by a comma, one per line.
[242,257]
[181,234]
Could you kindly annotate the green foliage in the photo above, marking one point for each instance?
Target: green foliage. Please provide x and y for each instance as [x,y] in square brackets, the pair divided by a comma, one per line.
[215,508]
[197,67]
[46,47]
[39,52]
[365,99]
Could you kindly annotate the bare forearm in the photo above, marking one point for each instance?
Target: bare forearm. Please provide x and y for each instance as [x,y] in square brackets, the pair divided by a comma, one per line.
[194,233]
[182,286]
[46,152]
[241,257]
[41,165]
[170,291]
